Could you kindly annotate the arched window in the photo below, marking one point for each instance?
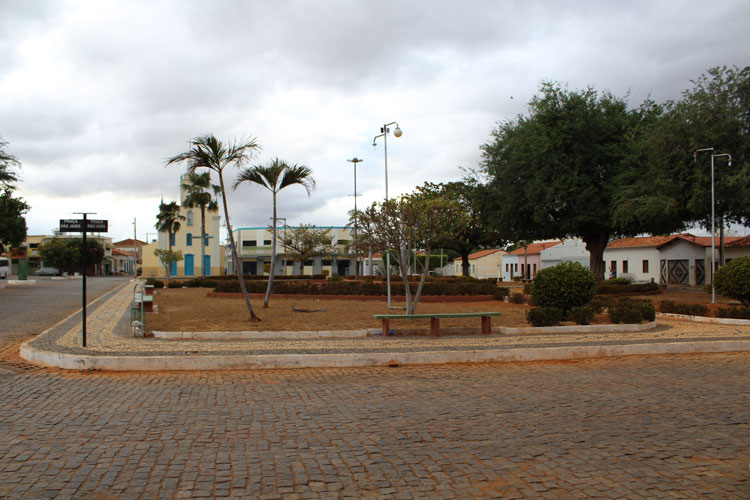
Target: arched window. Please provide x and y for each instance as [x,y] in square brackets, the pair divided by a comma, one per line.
[189,218]
[189,239]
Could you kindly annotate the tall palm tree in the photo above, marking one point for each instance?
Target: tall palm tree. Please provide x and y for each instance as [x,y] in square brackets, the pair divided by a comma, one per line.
[210,153]
[168,221]
[275,176]
[200,193]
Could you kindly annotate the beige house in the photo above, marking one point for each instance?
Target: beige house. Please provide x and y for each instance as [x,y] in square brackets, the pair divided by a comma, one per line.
[482,264]
[33,242]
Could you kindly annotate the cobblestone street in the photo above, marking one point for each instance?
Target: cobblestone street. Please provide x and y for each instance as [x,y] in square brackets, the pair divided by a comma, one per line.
[636,427]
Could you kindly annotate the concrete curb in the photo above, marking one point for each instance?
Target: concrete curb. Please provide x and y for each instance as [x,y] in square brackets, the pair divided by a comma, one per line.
[286,361]
[706,319]
[287,335]
[578,328]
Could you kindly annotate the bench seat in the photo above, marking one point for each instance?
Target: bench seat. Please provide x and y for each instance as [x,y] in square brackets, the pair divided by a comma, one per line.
[435,320]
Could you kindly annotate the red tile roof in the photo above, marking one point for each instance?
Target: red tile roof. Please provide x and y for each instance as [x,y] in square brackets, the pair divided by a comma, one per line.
[535,248]
[481,253]
[130,242]
[740,242]
[662,241]
[117,251]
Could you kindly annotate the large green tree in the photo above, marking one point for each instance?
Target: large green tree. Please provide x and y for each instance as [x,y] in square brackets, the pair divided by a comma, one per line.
[200,193]
[207,152]
[556,172]
[275,176]
[12,222]
[713,113]
[65,253]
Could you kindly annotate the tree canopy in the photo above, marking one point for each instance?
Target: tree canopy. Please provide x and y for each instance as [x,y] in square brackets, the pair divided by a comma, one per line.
[305,242]
[12,209]
[65,253]
[556,172]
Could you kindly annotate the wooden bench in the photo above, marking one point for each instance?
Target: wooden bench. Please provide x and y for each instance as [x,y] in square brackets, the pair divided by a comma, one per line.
[435,320]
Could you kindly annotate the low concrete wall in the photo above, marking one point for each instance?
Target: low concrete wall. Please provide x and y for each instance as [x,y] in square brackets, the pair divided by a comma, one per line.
[706,319]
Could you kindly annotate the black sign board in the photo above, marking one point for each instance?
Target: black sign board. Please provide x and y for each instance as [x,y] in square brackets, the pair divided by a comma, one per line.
[77,225]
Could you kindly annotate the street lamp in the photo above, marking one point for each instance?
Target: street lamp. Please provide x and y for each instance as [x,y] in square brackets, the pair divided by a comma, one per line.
[355,160]
[713,215]
[384,134]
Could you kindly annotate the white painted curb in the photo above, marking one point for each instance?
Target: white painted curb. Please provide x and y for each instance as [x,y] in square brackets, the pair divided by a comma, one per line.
[706,319]
[578,328]
[296,335]
[278,361]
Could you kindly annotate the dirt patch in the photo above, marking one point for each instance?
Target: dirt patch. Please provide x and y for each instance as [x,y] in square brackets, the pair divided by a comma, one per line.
[189,309]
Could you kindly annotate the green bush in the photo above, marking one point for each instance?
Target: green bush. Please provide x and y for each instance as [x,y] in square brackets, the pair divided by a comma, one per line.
[517,298]
[201,283]
[601,302]
[564,286]
[733,280]
[155,283]
[733,312]
[581,315]
[544,316]
[605,288]
[632,311]
[617,281]
[672,307]
[501,292]
[174,284]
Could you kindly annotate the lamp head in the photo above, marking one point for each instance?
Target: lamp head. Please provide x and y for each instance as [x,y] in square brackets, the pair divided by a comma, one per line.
[397,132]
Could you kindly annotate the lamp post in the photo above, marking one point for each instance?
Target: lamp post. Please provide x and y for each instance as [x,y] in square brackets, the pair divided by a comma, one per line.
[355,160]
[384,134]
[713,215]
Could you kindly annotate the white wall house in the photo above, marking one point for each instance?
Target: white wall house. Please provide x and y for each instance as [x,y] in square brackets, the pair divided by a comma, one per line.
[482,264]
[572,250]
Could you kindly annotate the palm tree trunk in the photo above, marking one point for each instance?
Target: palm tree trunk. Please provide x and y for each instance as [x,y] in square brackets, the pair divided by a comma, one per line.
[235,255]
[169,244]
[273,255]
[203,241]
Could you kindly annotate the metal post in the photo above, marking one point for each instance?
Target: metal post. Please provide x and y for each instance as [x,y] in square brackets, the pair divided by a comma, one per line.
[388,253]
[713,235]
[83,295]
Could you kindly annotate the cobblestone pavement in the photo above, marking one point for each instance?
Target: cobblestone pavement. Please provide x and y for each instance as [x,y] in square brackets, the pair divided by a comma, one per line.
[110,336]
[634,427]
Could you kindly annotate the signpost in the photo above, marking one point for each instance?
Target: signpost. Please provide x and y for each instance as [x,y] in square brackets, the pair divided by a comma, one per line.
[83,226]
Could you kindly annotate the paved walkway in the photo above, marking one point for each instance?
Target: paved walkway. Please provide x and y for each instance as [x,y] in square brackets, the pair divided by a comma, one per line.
[111,345]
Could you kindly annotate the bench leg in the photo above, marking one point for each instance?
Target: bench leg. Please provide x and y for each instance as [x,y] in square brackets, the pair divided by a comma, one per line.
[435,327]
[486,325]
[386,327]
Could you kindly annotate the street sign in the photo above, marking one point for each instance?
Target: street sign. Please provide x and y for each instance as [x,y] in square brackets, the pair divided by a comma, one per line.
[76,225]
[17,253]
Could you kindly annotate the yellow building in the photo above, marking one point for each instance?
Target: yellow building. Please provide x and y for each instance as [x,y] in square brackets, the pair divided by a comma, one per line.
[108,265]
[188,241]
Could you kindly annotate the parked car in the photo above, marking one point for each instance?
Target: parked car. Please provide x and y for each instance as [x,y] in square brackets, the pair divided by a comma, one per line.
[4,267]
[48,271]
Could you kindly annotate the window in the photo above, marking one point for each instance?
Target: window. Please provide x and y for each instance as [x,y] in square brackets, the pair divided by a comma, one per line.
[266,242]
[645,266]
[309,262]
[506,268]
[326,262]
[172,239]
[624,266]
[516,265]
[534,268]
[249,243]
[189,218]
[189,239]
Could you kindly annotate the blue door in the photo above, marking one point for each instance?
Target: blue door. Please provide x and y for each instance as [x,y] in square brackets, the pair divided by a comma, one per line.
[189,267]
[207,265]
[173,269]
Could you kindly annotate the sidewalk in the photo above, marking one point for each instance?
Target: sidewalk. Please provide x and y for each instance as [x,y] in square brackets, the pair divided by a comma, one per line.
[111,346]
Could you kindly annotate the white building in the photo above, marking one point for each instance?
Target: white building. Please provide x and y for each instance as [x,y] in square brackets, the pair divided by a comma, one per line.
[482,264]
[572,250]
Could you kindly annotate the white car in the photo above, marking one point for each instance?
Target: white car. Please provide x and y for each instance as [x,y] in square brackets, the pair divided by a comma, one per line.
[4,267]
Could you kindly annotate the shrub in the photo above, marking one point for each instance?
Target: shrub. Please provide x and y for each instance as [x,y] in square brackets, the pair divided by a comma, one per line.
[155,283]
[581,315]
[174,284]
[564,286]
[517,298]
[605,288]
[201,283]
[544,316]
[669,306]
[617,281]
[733,280]
[601,302]
[733,312]
[632,311]
[501,292]
[527,289]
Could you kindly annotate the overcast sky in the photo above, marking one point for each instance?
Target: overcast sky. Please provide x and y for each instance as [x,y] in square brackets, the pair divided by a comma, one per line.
[95,95]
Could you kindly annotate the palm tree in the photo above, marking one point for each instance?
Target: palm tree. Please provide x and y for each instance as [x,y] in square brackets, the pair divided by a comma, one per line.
[168,221]
[210,153]
[276,176]
[200,193]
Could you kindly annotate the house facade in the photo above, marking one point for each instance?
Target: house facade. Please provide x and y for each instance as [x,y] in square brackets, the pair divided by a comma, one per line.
[482,264]
[134,247]
[525,261]
[107,266]
[572,250]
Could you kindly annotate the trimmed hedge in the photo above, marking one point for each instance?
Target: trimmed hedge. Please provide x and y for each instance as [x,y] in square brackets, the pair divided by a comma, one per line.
[601,302]
[606,288]
[544,316]
[733,312]
[501,292]
[364,287]
[155,283]
[672,307]
[564,286]
[517,298]
[581,315]
[632,311]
